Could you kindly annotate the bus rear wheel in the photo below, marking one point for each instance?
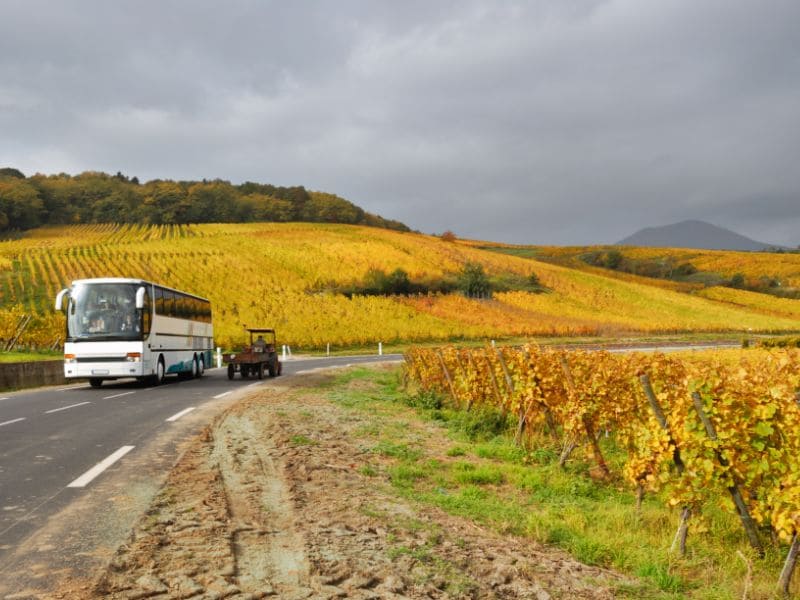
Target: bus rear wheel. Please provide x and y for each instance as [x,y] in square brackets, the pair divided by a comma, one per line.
[95,382]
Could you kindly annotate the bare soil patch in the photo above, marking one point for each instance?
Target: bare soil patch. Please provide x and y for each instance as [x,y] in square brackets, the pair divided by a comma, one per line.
[272,500]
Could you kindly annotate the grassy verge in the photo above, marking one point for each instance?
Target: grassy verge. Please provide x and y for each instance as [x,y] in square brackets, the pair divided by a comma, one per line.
[468,465]
[13,357]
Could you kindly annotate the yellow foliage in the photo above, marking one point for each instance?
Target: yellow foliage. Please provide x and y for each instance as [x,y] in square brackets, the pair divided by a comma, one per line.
[276,274]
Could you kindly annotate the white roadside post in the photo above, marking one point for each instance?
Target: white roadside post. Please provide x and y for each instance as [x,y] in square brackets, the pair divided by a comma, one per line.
[328,350]
[380,348]
[283,352]
[219,357]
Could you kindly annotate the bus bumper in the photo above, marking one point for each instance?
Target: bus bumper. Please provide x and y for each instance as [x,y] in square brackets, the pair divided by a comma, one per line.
[101,370]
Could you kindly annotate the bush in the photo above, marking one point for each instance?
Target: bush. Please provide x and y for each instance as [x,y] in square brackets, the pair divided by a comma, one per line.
[473,282]
[426,400]
[479,425]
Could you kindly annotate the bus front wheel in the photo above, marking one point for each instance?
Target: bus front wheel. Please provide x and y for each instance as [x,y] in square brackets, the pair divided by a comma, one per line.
[158,378]
[95,382]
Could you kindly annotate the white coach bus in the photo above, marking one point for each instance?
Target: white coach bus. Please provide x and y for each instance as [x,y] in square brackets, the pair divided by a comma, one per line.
[133,328]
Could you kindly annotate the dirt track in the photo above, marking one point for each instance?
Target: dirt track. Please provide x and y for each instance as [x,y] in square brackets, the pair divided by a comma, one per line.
[270,501]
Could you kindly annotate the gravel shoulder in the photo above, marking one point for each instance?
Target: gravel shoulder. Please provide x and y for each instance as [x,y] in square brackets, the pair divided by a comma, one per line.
[278,498]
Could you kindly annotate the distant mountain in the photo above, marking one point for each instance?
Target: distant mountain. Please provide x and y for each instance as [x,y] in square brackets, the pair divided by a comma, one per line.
[693,234]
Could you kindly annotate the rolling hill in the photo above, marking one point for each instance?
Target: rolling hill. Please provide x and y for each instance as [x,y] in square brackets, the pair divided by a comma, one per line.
[286,275]
[693,234]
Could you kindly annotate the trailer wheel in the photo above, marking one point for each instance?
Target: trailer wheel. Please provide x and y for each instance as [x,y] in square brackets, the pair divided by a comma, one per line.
[245,371]
[231,371]
[261,370]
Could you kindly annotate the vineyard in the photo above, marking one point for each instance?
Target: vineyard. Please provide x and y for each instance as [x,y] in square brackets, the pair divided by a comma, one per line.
[726,263]
[711,429]
[285,275]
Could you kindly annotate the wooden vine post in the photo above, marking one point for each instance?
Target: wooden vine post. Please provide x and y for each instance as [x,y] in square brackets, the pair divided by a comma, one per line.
[447,376]
[683,527]
[511,389]
[744,514]
[462,374]
[410,371]
[498,398]
[587,425]
[548,414]
[474,368]
[789,566]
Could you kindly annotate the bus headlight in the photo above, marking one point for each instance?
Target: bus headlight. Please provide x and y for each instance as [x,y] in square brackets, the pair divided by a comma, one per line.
[134,357]
[69,359]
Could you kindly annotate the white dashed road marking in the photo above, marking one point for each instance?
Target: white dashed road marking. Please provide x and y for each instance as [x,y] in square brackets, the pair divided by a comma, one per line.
[96,470]
[12,421]
[223,394]
[177,416]
[118,395]
[47,412]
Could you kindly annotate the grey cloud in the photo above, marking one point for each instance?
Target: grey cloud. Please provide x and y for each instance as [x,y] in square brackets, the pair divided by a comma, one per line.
[542,122]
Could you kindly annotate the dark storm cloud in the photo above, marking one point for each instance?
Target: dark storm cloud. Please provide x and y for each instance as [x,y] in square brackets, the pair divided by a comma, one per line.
[540,122]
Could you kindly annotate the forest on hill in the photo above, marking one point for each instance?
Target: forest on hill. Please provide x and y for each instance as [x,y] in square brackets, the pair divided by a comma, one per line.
[95,197]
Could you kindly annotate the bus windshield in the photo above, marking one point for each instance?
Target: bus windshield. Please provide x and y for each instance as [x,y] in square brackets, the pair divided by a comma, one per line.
[103,311]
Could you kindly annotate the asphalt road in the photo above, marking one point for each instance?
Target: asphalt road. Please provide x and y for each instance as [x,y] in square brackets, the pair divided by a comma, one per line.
[56,443]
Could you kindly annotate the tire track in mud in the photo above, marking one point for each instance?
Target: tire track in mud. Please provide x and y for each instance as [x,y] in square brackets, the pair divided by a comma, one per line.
[221,527]
[268,551]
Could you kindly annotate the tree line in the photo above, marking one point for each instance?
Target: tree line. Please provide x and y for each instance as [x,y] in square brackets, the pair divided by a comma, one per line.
[96,197]
[471,281]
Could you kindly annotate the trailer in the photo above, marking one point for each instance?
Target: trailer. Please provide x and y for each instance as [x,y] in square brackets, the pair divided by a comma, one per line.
[258,357]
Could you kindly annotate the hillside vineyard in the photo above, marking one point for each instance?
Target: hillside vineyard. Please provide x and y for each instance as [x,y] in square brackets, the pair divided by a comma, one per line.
[285,275]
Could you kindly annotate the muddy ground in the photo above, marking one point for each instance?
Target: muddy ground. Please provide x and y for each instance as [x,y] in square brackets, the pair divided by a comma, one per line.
[273,500]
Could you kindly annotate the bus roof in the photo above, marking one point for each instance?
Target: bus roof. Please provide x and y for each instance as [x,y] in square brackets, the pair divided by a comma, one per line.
[139,281]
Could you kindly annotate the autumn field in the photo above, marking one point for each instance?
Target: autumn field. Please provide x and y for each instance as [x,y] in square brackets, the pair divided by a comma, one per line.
[783,267]
[291,276]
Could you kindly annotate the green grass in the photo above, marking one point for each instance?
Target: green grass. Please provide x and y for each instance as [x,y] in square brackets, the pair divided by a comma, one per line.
[480,474]
[302,440]
[13,357]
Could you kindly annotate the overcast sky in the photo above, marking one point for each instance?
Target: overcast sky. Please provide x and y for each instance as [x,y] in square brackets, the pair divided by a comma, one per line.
[543,122]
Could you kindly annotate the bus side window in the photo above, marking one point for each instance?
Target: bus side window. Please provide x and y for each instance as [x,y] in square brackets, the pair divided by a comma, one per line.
[169,303]
[183,306]
[159,293]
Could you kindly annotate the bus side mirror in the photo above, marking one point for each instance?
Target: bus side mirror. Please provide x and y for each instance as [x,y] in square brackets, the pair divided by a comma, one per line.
[60,299]
[140,297]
